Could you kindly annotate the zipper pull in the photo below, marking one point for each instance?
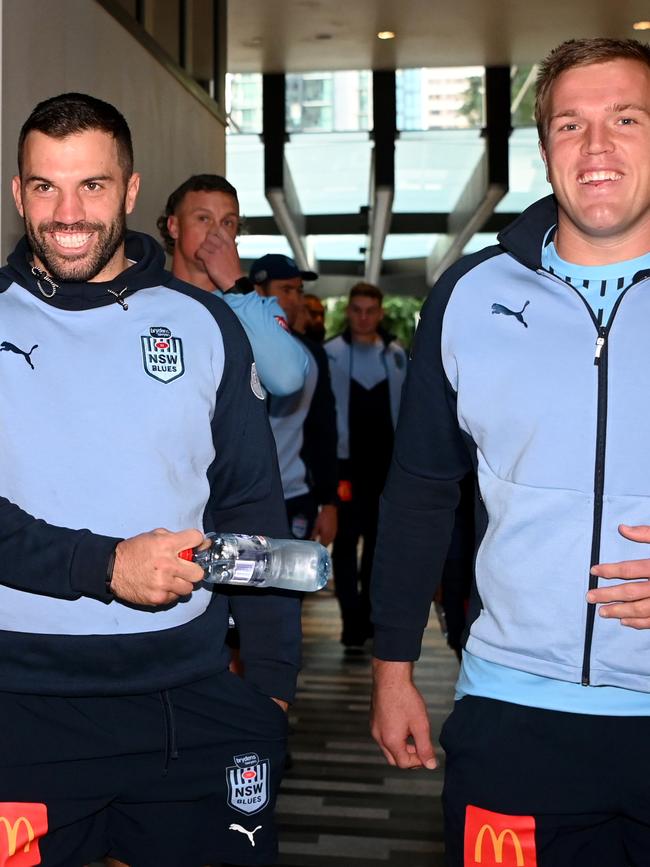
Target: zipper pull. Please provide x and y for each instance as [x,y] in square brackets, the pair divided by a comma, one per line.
[600,343]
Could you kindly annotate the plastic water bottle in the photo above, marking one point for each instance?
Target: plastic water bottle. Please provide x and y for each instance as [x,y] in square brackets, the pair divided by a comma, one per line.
[257,561]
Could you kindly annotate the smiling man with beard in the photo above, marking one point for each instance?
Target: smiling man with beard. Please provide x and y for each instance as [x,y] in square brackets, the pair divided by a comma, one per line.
[128,401]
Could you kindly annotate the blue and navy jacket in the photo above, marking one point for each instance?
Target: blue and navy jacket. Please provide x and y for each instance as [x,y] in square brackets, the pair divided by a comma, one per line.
[512,375]
[117,418]
[339,357]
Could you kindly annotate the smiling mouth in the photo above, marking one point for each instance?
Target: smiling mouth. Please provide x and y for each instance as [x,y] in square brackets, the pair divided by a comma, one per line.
[598,177]
[72,240]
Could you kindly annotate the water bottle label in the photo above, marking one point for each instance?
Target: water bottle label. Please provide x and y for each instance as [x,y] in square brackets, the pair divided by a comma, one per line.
[243,572]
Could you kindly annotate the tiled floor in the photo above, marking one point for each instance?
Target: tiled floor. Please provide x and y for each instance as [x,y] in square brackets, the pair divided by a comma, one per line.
[341,805]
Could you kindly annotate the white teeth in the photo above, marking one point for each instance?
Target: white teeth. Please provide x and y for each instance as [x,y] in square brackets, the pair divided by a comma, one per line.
[71,239]
[594,177]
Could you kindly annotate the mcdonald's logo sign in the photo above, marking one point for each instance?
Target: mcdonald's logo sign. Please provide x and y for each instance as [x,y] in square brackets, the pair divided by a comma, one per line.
[498,840]
[21,827]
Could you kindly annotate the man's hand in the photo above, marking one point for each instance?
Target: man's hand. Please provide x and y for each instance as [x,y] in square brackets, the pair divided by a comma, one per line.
[326,525]
[283,704]
[630,603]
[398,718]
[219,255]
[148,570]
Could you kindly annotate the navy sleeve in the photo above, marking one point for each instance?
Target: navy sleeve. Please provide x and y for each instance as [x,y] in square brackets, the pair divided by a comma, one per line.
[417,507]
[53,561]
[246,497]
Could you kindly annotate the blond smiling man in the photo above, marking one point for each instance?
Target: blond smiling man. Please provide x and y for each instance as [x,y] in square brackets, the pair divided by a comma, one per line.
[530,365]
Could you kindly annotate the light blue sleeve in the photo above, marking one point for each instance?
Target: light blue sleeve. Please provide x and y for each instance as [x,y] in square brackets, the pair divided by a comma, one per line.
[279,357]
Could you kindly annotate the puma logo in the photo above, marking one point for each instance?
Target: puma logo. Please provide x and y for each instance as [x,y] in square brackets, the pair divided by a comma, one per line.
[5,346]
[499,308]
[249,834]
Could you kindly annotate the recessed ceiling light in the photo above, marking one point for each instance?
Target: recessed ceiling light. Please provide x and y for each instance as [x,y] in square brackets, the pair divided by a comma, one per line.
[385,34]
[641,25]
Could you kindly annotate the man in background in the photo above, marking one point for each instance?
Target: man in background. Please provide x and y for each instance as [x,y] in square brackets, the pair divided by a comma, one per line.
[314,326]
[304,423]
[367,368]
[199,230]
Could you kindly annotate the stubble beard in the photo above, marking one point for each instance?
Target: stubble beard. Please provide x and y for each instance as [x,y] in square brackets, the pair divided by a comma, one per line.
[85,266]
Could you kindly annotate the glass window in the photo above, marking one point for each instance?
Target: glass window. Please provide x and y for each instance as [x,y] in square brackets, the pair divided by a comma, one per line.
[527,174]
[440,98]
[433,167]
[244,102]
[330,171]
[328,101]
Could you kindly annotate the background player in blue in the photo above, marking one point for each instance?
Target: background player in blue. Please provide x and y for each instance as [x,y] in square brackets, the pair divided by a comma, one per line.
[530,364]
[199,229]
[303,423]
[130,404]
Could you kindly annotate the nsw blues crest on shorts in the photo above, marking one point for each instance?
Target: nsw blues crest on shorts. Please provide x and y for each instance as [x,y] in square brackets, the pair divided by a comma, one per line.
[248,783]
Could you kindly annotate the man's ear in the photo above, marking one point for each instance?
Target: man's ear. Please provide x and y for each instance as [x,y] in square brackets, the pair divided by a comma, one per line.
[172,226]
[17,191]
[542,153]
[132,189]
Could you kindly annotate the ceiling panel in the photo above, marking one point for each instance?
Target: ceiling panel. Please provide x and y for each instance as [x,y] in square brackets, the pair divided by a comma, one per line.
[302,35]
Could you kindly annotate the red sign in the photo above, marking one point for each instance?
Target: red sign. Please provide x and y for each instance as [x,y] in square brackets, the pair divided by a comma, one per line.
[498,840]
[21,827]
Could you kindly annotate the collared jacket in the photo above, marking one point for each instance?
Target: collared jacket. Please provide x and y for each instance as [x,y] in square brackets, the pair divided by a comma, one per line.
[512,374]
[339,356]
[281,362]
[117,417]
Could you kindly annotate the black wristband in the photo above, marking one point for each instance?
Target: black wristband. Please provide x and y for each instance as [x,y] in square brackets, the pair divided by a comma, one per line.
[109,572]
[241,286]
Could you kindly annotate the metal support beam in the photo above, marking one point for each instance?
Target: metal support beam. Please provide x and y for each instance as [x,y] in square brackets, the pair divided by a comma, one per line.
[279,188]
[219,52]
[488,183]
[382,169]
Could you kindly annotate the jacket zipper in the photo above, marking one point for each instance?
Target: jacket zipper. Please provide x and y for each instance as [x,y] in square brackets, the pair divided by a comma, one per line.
[600,361]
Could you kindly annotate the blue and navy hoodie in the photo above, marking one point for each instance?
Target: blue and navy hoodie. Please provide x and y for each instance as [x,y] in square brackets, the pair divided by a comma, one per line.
[117,417]
[512,375]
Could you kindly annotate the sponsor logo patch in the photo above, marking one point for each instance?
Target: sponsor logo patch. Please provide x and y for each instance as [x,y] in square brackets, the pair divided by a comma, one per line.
[21,827]
[248,783]
[493,839]
[299,526]
[162,354]
[256,385]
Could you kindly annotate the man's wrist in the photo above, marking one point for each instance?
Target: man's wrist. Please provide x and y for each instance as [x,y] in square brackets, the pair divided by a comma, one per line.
[391,672]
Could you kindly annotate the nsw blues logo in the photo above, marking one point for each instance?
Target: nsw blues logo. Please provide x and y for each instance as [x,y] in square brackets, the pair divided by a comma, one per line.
[162,354]
[248,783]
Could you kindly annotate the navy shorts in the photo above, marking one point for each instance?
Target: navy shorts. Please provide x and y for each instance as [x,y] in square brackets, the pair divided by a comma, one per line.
[183,778]
[542,788]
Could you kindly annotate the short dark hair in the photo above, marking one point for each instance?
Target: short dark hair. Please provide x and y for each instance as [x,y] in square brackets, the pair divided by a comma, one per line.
[580,52]
[366,290]
[72,113]
[194,184]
